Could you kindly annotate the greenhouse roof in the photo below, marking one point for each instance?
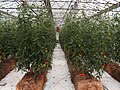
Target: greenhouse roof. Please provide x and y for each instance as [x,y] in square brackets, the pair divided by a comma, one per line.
[60,8]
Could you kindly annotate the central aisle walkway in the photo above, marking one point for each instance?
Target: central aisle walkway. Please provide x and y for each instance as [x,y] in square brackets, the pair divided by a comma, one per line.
[59,77]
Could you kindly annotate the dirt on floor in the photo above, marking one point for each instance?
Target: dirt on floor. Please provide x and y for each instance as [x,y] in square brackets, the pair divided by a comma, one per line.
[81,83]
[84,82]
[114,70]
[6,67]
[29,83]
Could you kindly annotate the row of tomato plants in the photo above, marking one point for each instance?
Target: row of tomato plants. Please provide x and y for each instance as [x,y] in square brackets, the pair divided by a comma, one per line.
[90,44]
[30,39]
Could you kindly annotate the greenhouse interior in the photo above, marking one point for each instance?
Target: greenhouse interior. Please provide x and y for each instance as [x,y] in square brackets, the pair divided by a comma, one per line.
[59,44]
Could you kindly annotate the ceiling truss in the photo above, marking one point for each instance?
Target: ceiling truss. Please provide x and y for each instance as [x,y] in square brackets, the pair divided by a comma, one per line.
[65,10]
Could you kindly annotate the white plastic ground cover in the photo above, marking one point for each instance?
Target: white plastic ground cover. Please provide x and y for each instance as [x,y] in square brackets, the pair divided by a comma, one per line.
[59,77]
[109,82]
[11,80]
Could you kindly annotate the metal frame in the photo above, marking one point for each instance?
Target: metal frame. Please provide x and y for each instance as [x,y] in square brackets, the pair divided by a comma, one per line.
[114,6]
[68,9]
[7,14]
[66,1]
[48,6]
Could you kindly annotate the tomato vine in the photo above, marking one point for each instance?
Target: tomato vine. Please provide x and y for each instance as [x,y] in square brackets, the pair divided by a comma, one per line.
[89,43]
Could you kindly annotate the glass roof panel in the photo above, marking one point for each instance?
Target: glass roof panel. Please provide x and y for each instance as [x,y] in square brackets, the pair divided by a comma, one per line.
[61,7]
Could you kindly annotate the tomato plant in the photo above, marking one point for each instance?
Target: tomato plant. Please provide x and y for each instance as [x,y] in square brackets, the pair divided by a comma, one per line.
[7,39]
[35,37]
[30,39]
[116,27]
[88,43]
